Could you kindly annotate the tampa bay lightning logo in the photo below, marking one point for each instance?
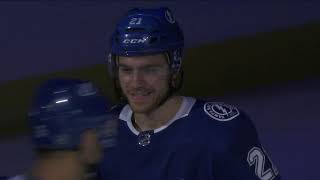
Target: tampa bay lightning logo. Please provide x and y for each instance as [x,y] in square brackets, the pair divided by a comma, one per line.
[221,111]
[170,18]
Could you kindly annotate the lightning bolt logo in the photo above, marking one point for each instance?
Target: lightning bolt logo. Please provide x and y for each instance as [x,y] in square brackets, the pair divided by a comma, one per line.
[220,111]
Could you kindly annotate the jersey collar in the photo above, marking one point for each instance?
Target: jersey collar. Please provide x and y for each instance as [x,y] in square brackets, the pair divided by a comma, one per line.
[184,110]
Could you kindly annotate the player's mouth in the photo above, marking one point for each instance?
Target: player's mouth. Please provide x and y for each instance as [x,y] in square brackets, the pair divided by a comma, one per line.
[140,96]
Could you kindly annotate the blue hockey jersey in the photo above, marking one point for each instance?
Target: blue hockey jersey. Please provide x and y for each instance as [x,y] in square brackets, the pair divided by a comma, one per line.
[204,141]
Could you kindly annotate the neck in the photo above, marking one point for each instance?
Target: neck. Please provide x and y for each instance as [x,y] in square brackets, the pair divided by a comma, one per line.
[158,117]
[60,165]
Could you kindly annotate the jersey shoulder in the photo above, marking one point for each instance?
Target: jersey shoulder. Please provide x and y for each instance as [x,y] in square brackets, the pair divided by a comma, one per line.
[218,112]
[222,120]
[233,139]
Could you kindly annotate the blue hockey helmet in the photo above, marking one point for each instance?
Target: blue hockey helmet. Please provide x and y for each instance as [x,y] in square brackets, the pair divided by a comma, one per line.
[148,31]
[62,109]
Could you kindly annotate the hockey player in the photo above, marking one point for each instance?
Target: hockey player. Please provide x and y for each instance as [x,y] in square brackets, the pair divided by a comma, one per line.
[165,136]
[64,118]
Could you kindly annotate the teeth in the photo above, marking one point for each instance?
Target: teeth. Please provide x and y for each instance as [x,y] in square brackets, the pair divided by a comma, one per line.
[140,93]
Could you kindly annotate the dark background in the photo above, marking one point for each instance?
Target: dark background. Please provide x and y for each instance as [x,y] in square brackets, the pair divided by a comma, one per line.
[260,56]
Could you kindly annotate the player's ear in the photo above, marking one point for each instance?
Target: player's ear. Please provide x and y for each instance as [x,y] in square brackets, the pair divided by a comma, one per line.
[90,148]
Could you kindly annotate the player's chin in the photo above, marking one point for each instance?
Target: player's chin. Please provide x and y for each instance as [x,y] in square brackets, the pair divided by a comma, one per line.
[140,100]
[141,107]
[143,104]
[138,106]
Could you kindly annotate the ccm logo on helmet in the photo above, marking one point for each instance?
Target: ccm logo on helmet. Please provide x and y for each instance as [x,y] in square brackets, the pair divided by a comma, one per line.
[134,41]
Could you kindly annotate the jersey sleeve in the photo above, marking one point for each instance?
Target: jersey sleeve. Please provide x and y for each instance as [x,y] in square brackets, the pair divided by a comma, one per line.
[244,157]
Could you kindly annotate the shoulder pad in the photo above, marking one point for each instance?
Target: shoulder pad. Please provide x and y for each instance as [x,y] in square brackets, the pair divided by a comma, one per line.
[220,111]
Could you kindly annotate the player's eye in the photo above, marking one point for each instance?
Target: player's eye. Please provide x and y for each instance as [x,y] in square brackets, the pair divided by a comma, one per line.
[125,70]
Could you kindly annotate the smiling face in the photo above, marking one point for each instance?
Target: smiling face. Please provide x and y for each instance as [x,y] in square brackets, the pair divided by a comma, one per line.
[144,81]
